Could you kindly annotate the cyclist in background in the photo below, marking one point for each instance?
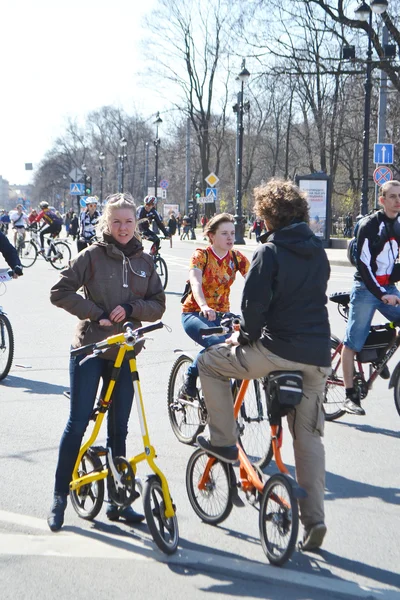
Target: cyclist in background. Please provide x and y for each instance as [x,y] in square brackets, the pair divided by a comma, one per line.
[4,221]
[19,221]
[52,222]
[89,218]
[146,214]
[10,255]
[212,271]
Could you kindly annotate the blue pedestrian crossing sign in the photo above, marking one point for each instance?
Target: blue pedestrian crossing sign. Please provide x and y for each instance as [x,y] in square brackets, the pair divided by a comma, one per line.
[211,193]
[383,154]
[76,189]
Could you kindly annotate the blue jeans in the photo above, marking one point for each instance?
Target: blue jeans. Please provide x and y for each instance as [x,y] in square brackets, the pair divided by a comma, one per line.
[363,305]
[192,323]
[84,381]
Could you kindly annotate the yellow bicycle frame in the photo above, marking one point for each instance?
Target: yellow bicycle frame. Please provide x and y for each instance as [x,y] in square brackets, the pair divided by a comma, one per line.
[149,452]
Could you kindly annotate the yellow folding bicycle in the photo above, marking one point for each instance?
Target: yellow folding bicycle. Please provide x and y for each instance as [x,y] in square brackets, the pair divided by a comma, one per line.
[96,463]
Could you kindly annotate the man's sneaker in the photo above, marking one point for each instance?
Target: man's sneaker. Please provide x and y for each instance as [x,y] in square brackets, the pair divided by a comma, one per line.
[114,513]
[189,389]
[313,537]
[353,407]
[55,519]
[227,454]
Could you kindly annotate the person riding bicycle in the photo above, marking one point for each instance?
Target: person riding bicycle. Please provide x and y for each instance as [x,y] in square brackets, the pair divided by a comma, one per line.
[10,255]
[52,223]
[19,221]
[145,215]
[377,249]
[212,271]
[120,283]
[284,327]
[89,218]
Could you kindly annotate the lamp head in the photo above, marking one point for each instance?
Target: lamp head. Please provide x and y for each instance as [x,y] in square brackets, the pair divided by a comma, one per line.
[379,6]
[363,11]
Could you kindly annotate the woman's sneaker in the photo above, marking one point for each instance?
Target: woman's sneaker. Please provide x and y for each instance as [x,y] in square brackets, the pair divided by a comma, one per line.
[55,519]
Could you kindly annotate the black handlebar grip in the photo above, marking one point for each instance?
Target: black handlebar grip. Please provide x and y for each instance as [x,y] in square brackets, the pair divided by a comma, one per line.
[148,328]
[83,349]
[212,331]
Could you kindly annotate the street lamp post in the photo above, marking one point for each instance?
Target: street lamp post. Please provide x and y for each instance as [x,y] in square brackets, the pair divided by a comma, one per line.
[239,110]
[101,169]
[364,13]
[157,143]
[122,158]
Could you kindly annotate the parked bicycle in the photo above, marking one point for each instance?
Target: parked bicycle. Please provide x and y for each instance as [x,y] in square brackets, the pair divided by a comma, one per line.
[188,417]
[381,344]
[6,333]
[95,463]
[58,253]
[213,487]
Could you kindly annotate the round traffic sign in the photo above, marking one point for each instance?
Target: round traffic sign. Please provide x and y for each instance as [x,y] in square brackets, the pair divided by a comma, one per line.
[164,184]
[382,175]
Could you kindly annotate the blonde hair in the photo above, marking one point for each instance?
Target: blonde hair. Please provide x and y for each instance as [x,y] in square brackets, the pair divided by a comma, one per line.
[113,202]
[387,185]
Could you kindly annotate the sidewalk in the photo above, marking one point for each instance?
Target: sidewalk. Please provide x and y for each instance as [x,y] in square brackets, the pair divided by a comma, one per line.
[336,256]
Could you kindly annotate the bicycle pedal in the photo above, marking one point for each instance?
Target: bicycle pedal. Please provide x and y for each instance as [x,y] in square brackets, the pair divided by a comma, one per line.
[98,450]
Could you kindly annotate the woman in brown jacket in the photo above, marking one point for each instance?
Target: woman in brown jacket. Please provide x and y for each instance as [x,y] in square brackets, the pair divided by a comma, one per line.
[120,283]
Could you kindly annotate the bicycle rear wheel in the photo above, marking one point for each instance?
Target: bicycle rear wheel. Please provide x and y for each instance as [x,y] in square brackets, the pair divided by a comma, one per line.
[162,270]
[335,391]
[213,504]
[62,255]
[27,253]
[88,499]
[6,346]
[163,529]
[187,418]
[254,427]
[279,519]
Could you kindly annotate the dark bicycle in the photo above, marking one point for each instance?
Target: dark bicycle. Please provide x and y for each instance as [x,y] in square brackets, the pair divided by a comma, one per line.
[381,344]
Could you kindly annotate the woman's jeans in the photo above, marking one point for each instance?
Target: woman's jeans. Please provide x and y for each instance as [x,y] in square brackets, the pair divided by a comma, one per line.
[192,323]
[84,381]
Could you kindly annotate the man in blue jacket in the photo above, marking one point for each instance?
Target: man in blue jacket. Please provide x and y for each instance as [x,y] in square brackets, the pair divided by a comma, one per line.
[284,327]
[10,255]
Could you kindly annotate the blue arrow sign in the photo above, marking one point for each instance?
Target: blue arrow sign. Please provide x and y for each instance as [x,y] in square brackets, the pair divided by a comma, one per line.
[76,189]
[211,192]
[383,154]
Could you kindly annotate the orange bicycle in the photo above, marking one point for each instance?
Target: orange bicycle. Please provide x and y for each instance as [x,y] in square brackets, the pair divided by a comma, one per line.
[213,487]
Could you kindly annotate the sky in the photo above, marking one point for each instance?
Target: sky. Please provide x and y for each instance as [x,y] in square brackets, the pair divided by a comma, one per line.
[65,59]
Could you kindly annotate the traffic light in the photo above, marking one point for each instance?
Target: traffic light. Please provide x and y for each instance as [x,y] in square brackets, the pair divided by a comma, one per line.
[197,193]
[88,185]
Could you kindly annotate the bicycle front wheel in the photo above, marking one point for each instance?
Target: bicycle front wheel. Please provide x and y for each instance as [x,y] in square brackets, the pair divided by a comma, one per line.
[163,529]
[254,427]
[162,270]
[397,395]
[335,392]
[213,501]
[27,253]
[278,520]
[60,259]
[187,417]
[6,346]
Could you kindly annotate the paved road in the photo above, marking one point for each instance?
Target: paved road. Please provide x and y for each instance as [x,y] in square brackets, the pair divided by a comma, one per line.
[361,555]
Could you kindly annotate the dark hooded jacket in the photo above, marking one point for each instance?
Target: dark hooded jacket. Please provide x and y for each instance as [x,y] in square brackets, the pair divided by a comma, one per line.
[284,296]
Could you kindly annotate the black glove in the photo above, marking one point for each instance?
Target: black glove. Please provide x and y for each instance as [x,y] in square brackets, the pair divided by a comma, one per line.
[18,270]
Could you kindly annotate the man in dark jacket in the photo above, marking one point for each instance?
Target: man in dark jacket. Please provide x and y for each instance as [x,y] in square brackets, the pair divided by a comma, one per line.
[10,255]
[284,327]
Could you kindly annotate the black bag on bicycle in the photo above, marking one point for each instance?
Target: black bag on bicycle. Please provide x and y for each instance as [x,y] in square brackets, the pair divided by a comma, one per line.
[375,345]
[285,392]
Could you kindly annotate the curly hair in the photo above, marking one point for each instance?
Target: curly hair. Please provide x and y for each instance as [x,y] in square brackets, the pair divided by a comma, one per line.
[280,203]
[113,202]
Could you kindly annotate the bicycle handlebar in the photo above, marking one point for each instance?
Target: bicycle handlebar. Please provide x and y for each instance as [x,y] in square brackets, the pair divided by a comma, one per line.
[214,331]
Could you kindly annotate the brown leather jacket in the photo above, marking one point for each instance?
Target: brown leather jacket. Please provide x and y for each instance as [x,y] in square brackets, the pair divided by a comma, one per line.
[108,279]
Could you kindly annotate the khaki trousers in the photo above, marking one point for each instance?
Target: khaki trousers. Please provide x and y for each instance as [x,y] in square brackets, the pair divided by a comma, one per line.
[306,423]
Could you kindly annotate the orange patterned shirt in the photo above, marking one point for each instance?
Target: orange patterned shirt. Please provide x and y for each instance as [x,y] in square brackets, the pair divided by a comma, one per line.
[218,276]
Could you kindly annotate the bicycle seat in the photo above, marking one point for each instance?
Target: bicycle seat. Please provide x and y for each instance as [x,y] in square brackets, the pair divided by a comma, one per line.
[342,298]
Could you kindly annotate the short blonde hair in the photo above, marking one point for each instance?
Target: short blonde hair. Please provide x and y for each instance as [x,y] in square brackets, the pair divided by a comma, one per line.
[112,202]
[387,185]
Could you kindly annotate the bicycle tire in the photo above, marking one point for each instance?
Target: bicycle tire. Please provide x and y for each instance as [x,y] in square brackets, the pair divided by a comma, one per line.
[164,530]
[162,270]
[396,391]
[6,346]
[278,519]
[254,426]
[335,391]
[63,256]
[213,504]
[92,493]
[187,419]
[27,254]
